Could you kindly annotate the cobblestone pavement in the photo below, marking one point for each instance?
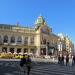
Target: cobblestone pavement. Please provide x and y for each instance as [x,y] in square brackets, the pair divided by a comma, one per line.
[38,68]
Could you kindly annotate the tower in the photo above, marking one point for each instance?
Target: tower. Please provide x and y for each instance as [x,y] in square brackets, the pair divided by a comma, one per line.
[39,22]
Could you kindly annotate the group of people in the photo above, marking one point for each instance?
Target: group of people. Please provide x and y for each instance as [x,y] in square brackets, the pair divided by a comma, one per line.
[25,63]
[61,59]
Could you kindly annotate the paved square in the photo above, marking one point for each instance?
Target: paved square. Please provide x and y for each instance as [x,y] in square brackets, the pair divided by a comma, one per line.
[38,68]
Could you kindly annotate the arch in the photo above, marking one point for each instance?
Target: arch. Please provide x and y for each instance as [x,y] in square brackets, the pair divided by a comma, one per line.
[12,39]
[5,39]
[19,39]
[26,40]
[32,40]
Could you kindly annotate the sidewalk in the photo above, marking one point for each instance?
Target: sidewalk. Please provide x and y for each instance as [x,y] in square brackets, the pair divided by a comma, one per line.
[37,60]
[33,59]
[9,59]
[45,60]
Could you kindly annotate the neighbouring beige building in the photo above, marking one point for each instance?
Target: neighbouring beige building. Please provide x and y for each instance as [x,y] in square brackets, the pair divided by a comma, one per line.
[39,40]
[66,43]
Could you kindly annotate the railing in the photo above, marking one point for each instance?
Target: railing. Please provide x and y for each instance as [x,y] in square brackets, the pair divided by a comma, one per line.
[18,30]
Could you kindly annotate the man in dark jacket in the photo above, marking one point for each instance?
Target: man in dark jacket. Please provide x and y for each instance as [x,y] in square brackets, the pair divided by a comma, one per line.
[59,59]
[28,64]
[62,59]
[67,60]
[23,62]
[73,60]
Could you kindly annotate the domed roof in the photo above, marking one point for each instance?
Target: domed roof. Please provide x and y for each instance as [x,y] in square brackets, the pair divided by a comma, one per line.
[40,20]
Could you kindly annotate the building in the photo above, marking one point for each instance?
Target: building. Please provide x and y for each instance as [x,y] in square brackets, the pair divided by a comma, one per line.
[38,41]
[47,40]
[67,44]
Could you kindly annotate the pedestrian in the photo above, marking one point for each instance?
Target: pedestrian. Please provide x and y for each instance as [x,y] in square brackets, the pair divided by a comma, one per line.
[23,62]
[73,60]
[67,60]
[59,59]
[28,64]
[62,59]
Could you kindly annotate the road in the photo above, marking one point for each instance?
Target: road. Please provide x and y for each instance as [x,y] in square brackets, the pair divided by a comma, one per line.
[38,68]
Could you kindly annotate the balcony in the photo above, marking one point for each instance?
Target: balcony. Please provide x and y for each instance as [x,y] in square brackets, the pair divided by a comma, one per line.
[5,43]
[12,44]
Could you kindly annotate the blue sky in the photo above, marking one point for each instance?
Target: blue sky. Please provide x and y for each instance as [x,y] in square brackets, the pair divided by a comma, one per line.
[59,14]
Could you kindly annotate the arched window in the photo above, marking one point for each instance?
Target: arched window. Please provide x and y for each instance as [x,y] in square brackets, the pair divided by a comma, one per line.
[19,39]
[26,40]
[5,39]
[12,39]
[44,41]
[12,50]
[32,40]
[4,49]
[18,50]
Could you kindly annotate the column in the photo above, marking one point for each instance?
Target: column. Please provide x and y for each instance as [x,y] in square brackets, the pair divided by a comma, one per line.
[38,52]
[8,49]
[0,49]
[22,39]
[2,38]
[15,50]
[61,46]
[9,38]
[46,51]
[22,50]
[29,40]
[16,40]
[29,50]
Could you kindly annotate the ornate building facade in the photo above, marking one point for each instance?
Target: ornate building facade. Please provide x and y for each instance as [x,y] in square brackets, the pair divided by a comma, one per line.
[39,40]
[66,43]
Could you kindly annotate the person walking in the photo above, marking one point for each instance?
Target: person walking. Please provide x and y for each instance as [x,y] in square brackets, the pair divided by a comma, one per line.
[67,60]
[73,60]
[23,62]
[59,59]
[28,64]
[62,59]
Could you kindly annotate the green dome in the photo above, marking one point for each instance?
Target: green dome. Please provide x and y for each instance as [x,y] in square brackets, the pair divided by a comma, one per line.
[40,20]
